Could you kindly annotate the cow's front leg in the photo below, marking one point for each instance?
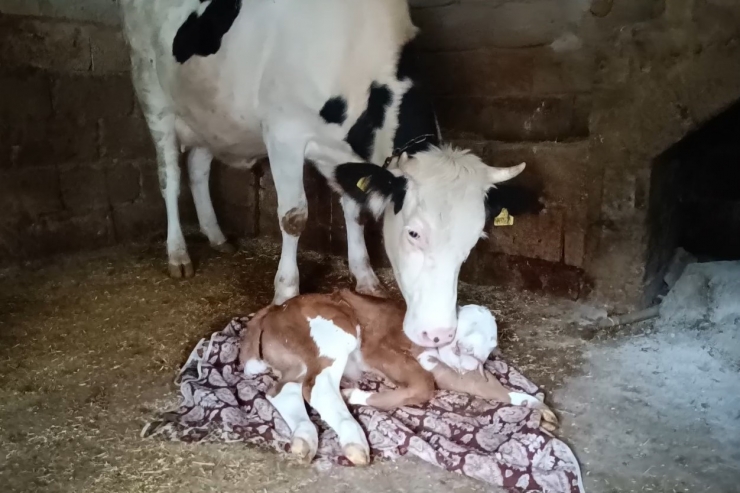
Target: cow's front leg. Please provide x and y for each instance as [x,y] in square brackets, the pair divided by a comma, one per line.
[285,150]
[327,154]
[359,260]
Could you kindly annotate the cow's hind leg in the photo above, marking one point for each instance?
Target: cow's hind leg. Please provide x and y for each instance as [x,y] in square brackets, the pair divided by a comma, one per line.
[291,406]
[285,150]
[322,392]
[161,121]
[199,169]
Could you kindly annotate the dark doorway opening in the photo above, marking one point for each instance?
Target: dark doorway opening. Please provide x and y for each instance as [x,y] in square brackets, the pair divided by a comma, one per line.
[695,198]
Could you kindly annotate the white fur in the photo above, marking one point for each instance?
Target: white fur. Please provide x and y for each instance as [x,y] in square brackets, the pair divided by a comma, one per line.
[199,168]
[327,400]
[291,406]
[475,339]
[429,359]
[255,367]
[358,397]
[522,399]
[332,341]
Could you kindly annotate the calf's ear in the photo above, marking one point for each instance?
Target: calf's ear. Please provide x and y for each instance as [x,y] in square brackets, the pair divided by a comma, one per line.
[371,186]
[516,199]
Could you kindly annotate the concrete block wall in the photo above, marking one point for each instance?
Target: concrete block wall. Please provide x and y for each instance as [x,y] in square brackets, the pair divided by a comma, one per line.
[77,166]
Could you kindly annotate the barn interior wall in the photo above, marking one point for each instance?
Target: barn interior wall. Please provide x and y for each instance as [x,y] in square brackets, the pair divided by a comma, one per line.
[586,92]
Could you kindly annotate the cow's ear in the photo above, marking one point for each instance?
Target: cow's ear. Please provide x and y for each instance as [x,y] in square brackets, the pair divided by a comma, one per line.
[516,199]
[371,186]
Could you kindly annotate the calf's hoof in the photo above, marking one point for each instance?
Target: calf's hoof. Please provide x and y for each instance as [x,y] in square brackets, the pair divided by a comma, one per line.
[549,419]
[550,427]
[225,247]
[178,271]
[302,450]
[357,454]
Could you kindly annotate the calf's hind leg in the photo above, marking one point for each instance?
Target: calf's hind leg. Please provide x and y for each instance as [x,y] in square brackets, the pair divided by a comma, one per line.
[161,122]
[291,406]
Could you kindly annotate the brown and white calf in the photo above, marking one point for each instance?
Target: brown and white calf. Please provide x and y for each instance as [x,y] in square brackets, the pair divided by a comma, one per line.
[312,341]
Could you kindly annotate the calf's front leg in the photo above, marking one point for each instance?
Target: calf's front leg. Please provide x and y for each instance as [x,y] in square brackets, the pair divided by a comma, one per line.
[291,406]
[322,393]
[487,386]
[415,385]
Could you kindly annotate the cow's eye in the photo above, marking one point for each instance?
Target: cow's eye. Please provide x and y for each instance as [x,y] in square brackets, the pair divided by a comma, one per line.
[413,234]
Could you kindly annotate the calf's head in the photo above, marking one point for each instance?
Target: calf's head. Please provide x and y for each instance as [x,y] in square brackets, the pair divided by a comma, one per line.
[435,207]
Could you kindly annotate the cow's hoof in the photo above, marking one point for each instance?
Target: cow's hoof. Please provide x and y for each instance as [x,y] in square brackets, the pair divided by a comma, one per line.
[225,247]
[357,454]
[302,450]
[178,271]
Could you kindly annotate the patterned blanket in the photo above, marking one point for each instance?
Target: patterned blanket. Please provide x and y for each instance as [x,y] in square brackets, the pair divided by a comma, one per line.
[497,443]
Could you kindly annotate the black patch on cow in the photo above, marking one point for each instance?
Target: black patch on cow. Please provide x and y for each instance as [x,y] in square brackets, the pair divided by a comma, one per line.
[417,124]
[362,134]
[334,110]
[360,180]
[516,199]
[407,66]
[201,35]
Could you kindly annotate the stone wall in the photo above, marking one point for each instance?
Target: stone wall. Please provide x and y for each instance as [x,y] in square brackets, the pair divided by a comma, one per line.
[77,166]
[663,68]
[587,92]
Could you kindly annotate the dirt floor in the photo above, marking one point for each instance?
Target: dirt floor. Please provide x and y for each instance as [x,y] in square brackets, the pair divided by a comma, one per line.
[90,345]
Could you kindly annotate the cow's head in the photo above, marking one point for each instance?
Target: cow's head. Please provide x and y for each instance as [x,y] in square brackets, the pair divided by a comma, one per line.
[435,207]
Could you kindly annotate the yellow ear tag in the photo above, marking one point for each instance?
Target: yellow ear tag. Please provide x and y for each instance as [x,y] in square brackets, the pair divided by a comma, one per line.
[363,182]
[503,219]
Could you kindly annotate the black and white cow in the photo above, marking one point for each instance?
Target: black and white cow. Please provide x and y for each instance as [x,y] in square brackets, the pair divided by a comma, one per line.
[328,81]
